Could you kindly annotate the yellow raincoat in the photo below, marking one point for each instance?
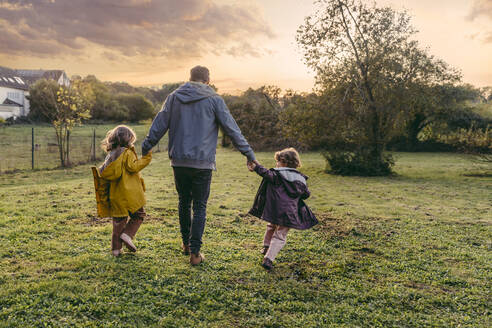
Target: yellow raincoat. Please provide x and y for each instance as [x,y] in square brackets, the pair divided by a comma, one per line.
[119,187]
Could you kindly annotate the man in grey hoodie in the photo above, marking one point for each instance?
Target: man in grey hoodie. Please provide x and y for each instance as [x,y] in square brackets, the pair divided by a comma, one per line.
[192,114]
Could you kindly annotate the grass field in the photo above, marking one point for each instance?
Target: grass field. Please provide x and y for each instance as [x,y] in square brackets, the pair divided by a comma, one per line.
[413,250]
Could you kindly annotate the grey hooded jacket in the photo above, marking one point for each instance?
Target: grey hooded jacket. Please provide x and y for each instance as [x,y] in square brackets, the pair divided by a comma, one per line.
[192,114]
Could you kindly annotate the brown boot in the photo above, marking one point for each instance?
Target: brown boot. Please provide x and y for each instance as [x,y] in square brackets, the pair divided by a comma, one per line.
[128,242]
[130,232]
[267,263]
[132,227]
[118,227]
[196,259]
[186,249]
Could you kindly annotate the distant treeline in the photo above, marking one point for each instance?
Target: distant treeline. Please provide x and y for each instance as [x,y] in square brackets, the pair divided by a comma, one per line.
[270,118]
[110,101]
[456,117]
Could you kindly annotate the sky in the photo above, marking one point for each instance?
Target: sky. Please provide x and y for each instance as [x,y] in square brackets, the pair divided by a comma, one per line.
[244,43]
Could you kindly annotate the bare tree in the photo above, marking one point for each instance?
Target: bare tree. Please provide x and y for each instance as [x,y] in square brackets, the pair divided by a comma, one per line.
[64,107]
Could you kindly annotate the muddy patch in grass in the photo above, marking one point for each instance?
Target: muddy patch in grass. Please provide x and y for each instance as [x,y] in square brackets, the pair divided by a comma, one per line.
[479,175]
[92,220]
[164,211]
[347,225]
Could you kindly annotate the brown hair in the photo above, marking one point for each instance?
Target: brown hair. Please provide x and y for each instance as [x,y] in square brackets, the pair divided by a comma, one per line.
[120,136]
[200,74]
[288,156]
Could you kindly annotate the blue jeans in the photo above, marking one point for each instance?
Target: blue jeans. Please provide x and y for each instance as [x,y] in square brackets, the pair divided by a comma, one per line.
[193,186]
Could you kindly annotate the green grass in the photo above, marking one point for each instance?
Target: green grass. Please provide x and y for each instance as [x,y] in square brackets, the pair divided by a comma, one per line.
[412,250]
[16,144]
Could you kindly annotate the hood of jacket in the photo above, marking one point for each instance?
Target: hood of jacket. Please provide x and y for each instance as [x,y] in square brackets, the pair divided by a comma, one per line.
[193,91]
[291,174]
[112,166]
[293,181]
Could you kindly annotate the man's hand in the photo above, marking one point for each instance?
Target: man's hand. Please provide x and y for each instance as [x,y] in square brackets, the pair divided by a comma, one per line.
[251,165]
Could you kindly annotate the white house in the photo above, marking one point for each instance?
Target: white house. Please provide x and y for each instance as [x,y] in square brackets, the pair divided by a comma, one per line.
[13,93]
[14,88]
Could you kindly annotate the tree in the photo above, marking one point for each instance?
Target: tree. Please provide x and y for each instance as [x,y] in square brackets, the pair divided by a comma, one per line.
[434,104]
[257,113]
[64,107]
[369,69]
[486,93]
[104,105]
[307,120]
[138,107]
[111,105]
[42,100]
[165,91]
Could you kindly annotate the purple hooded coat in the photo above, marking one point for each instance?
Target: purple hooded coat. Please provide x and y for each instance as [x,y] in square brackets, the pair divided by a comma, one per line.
[280,198]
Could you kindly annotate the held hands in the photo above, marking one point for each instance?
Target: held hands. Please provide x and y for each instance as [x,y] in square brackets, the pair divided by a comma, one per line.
[146,152]
[252,164]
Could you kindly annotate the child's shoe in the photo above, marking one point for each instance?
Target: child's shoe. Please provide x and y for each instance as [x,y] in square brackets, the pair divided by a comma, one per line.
[186,249]
[127,240]
[267,263]
[116,252]
[264,250]
[196,259]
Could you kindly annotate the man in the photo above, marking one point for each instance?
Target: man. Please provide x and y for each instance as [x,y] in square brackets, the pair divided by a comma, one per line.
[192,114]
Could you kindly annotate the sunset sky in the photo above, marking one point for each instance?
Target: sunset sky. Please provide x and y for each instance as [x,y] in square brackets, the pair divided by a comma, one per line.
[244,43]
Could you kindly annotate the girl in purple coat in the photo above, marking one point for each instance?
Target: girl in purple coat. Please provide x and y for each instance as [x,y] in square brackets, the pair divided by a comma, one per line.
[280,202]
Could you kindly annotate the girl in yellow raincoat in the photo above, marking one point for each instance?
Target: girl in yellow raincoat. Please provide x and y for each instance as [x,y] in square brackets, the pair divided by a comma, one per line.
[119,187]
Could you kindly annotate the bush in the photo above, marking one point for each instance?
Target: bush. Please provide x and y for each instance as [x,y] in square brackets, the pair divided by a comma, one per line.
[358,163]
[401,143]
[17,120]
[471,140]
[116,112]
[466,118]
[138,108]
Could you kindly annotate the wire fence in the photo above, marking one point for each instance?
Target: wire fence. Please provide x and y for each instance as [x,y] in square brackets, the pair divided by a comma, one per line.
[35,147]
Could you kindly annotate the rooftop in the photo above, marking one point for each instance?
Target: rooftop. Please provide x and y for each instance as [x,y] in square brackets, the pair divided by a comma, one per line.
[10,79]
[23,78]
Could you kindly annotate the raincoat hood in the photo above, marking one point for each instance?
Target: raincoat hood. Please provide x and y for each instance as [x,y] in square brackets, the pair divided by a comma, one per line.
[193,91]
[291,175]
[293,181]
[112,164]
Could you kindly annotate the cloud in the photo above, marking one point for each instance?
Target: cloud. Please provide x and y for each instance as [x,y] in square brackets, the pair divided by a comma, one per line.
[481,9]
[111,56]
[153,28]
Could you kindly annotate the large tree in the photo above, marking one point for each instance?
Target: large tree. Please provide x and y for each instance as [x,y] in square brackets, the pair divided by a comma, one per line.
[370,70]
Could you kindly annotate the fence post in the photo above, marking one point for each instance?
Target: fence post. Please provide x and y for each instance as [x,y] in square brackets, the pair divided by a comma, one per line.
[68,147]
[94,144]
[32,148]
